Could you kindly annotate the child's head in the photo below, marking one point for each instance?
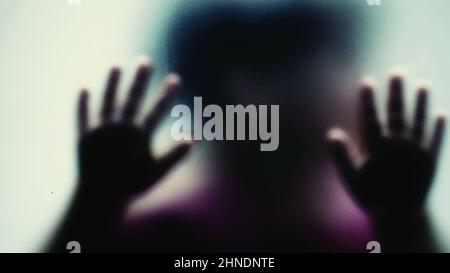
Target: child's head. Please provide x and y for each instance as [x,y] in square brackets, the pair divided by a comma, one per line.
[265,52]
[226,48]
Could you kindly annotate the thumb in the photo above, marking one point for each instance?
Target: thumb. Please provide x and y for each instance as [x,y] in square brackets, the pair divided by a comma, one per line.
[171,158]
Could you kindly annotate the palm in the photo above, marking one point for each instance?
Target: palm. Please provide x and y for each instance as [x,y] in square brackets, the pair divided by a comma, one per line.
[120,152]
[396,177]
[398,171]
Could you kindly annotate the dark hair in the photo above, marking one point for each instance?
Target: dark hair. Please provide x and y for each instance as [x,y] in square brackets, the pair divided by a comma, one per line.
[208,39]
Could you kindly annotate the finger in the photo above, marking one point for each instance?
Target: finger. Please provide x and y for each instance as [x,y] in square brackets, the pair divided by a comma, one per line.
[396,122]
[110,95]
[137,90]
[83,121]
[420,114]
[169,87]
[438,135]
[370,125]
[341,148]
[174,156]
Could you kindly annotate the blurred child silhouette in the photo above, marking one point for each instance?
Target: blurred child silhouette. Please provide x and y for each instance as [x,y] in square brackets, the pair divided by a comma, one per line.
[286,53]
